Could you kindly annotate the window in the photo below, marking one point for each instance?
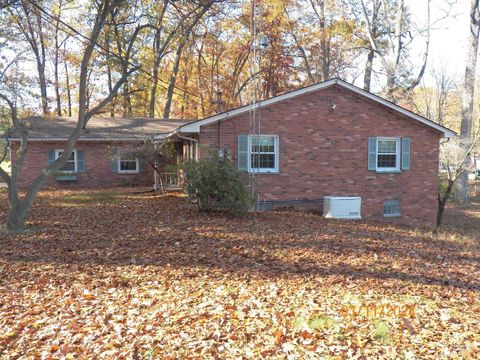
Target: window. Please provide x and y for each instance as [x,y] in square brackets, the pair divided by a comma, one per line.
[128,164]
[392,208]
[71,165]
[388,154]
[263,153]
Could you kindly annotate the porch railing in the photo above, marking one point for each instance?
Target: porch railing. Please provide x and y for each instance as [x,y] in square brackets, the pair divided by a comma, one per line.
[167,179]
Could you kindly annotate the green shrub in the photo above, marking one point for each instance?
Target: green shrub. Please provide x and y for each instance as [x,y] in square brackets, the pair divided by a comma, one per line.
[215,185]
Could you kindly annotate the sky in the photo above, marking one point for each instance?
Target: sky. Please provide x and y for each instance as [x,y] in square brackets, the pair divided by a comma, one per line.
[448,44]
[448,40]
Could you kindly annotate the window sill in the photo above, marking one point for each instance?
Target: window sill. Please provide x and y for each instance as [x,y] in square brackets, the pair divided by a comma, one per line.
[273,172]
[392,215]
[388,171]
[128,172]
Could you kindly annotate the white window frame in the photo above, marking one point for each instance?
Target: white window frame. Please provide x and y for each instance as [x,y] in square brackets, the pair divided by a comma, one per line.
[276,153]
[57,155]
[397,155]
[120,171]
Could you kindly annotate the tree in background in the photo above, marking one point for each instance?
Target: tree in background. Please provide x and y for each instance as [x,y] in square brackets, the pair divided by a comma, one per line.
[19,206]
[440,103]
[468,98]
[454,161]
[30,23]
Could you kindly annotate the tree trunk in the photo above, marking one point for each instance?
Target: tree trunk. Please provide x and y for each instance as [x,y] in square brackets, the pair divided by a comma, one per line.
[325,57]
[468,97]
[367,80]
[57,82]
[43,87]
[109,72]
[16,218]
[183,42]
[127,100]
[156,64]
[157,57]
[442,201]
[30,24]
[173,80]
[41,61]
[56,62]
[69,94]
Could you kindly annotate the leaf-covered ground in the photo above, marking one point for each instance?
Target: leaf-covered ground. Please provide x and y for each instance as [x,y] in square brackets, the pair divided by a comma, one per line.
[116,274]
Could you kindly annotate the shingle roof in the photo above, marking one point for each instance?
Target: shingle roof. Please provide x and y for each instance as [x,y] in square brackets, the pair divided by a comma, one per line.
[100,128]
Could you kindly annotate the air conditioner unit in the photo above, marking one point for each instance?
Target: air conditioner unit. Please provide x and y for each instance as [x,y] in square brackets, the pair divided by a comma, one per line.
[342,207]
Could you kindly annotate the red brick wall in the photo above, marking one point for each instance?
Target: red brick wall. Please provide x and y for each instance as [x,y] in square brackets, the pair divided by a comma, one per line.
[97,166]
[324,152]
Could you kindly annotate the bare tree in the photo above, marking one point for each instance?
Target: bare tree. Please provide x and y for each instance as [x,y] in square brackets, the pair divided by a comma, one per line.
[31,24]
[468,95]
[158,50]
[67,80]
[453,160]
[374,33]
[390,33]
[435,102]
[19,207]
[58,44]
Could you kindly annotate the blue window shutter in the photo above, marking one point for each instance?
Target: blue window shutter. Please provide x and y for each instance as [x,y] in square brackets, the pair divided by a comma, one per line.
[372,153]
[51,156]
[405,154]
[242,153]
[141,165]
[114,165]
[80,161]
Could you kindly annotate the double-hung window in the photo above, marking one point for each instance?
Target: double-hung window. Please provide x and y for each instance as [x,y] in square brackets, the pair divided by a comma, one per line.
[388,154]
[128,164]
[71,164]
[263,153]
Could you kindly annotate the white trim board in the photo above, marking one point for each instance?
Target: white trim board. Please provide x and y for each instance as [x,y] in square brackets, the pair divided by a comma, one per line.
[194,127]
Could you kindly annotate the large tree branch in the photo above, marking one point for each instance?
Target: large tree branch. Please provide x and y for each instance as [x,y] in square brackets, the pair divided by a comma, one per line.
[371,37]
[111,94]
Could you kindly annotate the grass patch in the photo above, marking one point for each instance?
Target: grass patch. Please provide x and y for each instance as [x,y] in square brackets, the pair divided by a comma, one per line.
[381,332]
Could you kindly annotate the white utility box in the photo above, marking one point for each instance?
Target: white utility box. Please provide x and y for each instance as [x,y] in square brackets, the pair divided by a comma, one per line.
[342,207]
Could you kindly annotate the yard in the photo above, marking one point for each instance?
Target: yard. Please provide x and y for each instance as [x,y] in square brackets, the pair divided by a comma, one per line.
[118,274]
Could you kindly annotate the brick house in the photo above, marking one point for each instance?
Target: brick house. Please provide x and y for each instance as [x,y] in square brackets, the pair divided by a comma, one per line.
[331,138]
[328,139]
[93,162]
